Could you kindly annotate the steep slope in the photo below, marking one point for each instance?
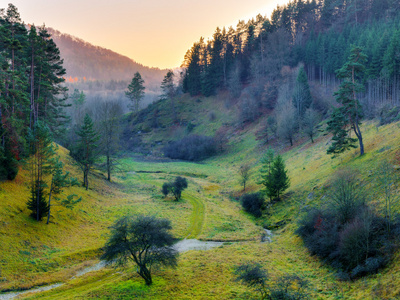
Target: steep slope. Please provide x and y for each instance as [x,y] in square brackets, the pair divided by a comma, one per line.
[82,59]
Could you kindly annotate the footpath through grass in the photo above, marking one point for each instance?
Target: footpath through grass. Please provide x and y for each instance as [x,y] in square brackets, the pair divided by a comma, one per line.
[209,274]
[197,217]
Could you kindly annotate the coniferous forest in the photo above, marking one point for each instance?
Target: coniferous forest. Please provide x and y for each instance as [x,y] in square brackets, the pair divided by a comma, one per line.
[268,158]
[317,34]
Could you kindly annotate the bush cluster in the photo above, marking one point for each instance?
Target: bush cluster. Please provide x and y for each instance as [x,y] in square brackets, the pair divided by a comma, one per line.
[192,148]
[253,203]
[176,187]
[290,287]
[349,234]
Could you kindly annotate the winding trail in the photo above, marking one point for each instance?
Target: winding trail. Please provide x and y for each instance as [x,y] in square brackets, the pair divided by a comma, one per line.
[181,246]
[197,217]
[189,243]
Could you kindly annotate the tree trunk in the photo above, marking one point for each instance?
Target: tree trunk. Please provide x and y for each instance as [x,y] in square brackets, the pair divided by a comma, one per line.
[31,113]
[48,214]
[108,168]
[86,179]
[145,274]
[357,131]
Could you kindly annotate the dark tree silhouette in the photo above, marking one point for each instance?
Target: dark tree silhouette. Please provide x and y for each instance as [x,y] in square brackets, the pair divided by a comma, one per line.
[143,240]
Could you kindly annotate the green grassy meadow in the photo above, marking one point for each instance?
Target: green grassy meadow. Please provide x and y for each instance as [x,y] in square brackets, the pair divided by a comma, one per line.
[35,254]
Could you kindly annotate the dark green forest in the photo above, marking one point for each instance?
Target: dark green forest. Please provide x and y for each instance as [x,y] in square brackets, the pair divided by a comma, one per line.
[318,34]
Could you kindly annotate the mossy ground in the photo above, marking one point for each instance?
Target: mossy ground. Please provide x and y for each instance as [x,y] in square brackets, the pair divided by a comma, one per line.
[35,253]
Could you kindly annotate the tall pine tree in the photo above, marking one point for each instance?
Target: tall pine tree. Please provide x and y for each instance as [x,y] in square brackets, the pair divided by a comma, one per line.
[347,117]
[135,91]
[85,152]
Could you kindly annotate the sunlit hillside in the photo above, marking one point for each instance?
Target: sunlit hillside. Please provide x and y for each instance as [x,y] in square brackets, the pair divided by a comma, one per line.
[207,211]
[265,167]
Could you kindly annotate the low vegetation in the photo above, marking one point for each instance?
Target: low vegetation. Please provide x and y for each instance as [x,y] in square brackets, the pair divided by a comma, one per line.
[325,217]
[290,287]
[192,148]
[253,203]
[143,240]
[175,187]
[349,233]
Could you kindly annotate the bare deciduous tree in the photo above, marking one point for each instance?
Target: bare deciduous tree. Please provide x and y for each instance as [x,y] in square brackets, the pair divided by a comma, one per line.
[286,122]
[108,113]
[244,173]
[310,122]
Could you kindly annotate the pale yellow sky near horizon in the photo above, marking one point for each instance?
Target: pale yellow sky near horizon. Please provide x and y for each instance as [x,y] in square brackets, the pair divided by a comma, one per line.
[155,33]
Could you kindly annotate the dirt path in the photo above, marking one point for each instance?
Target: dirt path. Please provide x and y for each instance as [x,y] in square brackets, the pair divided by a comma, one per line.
[197,217]
[190,242]
[193,244]
[181,246]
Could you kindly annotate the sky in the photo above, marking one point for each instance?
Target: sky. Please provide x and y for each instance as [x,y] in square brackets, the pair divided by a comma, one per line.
[155,33]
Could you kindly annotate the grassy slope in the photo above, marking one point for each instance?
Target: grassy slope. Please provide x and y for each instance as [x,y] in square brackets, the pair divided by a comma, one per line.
[205,212]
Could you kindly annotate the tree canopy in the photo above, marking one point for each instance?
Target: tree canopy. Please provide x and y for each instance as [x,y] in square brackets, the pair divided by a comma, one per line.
[143,240]
[135,91]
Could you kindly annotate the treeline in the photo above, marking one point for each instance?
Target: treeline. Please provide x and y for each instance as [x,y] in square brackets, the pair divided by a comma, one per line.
[31,74]
[36,111]
[316,33]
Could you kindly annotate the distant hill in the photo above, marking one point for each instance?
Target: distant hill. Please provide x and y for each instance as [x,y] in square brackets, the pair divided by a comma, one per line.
[84,60]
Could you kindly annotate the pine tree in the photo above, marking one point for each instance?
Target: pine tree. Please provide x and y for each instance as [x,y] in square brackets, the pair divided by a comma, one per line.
[59,181]
[42,152]
[276,180]
[168,89]
[135,91]
[13,95]
[85,152]
[391,59]
[301,95]
[50,96]
[193,70]
[348,116]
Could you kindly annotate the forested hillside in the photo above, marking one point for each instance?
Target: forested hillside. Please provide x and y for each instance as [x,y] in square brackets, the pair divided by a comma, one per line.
[101,72]
[278,142]
[82,59]
[260,53]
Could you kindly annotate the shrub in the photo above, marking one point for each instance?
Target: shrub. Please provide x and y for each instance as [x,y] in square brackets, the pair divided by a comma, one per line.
[290,287]
[192,148]
[321,235]
[346,197]
[166,188]
[254,276]
[176,187]
[253,203]
[348,234]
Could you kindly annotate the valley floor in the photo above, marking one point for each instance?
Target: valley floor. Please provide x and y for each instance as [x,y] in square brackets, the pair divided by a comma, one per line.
[207,211]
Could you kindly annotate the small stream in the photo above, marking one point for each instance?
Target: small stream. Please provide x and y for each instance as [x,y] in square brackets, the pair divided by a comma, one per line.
[181,246]
[12,295]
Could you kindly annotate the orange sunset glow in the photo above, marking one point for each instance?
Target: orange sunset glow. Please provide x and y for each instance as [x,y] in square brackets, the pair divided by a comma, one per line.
[155,33]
